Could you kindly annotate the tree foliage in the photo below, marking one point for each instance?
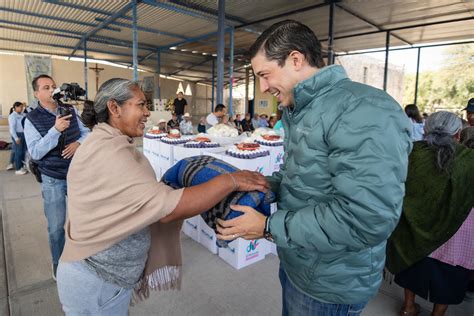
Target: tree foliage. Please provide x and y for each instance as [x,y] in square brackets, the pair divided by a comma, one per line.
[449,87]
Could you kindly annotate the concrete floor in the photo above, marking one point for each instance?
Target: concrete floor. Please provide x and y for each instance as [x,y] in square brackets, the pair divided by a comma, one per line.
[210,286]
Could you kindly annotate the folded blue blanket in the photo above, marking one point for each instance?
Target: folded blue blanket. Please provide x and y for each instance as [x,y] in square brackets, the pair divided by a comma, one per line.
[199,169]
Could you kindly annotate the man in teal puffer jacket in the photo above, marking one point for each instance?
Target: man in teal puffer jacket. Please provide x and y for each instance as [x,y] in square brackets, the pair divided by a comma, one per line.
[341,187]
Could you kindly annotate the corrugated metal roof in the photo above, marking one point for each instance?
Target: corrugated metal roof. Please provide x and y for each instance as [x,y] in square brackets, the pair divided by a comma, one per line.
[55,26]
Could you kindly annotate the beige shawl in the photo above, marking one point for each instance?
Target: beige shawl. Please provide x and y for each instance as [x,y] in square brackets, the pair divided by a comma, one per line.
[113,193]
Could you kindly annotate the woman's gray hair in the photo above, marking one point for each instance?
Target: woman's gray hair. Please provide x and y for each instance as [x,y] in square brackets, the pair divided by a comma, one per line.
[440,128]
[117,89]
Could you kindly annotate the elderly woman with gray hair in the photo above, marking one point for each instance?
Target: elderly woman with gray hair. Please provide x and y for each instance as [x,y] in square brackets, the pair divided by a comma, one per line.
[430,251]
[123,226]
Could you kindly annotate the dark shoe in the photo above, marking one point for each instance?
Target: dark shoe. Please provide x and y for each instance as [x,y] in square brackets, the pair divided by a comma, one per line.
[55,269]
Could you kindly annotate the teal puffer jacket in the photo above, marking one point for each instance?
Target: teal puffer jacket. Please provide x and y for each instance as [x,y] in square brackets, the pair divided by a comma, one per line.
[341,188]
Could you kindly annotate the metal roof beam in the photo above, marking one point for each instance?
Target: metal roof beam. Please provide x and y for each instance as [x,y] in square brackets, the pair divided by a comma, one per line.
[84,8]
[362,18]
[144,29]
[402,28]
[102,25]
[206,60]
[62,46]
[311,7]
[197,11]
[43,16]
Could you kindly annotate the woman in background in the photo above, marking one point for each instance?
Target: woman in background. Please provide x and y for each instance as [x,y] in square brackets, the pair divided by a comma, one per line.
[16,132]
[431,250]
[417,122]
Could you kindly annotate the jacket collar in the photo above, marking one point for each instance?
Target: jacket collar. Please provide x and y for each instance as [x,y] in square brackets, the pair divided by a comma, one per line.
[318,84]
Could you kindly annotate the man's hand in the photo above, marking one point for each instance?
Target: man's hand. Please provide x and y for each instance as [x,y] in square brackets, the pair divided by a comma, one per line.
[62,122]
[70,149]
[250,225]
[18,141]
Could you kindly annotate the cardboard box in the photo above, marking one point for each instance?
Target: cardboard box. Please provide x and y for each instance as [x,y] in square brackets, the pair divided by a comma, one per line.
[260,164]
[191,227]
[207,236]
[151,150]
[181,152]
[165,157]
[241,253]
[276,157]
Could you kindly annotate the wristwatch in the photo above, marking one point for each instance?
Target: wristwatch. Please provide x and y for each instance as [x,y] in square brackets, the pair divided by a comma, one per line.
[266,231]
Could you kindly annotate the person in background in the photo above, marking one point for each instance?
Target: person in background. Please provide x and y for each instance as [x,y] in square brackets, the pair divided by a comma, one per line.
[216,116]
[52,138]
[173,123]
[247,123]
[431,249]
[470,111]
[238,123]
[202,125]
[263,121]
[180,106]
[467,137]
[186,126]
[163,126]
[18,137]
[231,122]
[256,121]
[417,122]
[272,121]
[11,161]
[123,226]
[278,125]
[340,188]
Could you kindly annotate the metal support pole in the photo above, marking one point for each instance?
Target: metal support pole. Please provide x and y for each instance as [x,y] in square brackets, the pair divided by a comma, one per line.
[331,34]
[220,51]
[231,68]
[417,73]
[158,73]
[213,83]
[84,44]
[246,105]
[135,40]
[385,71]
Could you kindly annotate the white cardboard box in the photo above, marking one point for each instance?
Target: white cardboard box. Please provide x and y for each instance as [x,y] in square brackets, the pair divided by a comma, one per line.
[181,152]
[271,246]
[166,157]
[151,150]
[276,157]
[207,236]
[241,253]
[191,227]
[260,164]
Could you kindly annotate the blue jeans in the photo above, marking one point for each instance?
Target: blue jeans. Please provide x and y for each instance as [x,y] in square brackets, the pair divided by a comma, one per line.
[18,151]
[82,292]
[54,200]
[296,302]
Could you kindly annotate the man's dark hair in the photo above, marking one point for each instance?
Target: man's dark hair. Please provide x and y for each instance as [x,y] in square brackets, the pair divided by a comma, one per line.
[219,108]
[34,83]
[280,39]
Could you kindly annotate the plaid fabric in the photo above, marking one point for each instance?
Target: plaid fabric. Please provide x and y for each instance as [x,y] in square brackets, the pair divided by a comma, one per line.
[199,169]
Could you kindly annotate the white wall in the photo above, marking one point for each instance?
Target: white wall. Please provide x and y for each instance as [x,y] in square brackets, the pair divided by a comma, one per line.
[13,85]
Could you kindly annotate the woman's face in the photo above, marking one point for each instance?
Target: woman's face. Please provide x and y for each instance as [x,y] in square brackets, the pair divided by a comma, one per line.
[133,115]
[19,109]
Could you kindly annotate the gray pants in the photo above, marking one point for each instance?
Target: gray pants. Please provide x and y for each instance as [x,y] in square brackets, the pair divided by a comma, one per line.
[82,292]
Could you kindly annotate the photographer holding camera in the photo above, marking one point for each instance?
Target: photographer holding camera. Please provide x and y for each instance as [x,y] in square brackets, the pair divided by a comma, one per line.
[53,132]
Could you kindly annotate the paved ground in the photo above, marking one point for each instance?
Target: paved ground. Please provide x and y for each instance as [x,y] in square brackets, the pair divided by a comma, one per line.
[210,286]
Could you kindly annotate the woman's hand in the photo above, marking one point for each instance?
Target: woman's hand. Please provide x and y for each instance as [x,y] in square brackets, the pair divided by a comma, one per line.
[249,225]
[248,181]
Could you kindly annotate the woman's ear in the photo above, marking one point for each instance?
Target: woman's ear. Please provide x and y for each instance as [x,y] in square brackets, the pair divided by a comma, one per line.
[114,108]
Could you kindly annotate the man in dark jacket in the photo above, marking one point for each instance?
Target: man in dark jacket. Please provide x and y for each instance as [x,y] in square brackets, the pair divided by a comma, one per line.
[340,189]
[53,132]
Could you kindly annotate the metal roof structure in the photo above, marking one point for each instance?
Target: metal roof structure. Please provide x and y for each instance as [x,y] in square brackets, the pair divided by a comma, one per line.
[184,33]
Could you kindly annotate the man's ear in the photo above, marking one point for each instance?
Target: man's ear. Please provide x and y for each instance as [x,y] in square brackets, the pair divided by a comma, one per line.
[296,59]
[114,108]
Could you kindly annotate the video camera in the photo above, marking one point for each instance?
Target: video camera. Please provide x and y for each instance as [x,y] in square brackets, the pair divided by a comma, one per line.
[69,91]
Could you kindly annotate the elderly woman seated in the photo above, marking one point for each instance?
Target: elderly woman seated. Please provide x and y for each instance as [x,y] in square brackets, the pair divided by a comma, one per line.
[123,226]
